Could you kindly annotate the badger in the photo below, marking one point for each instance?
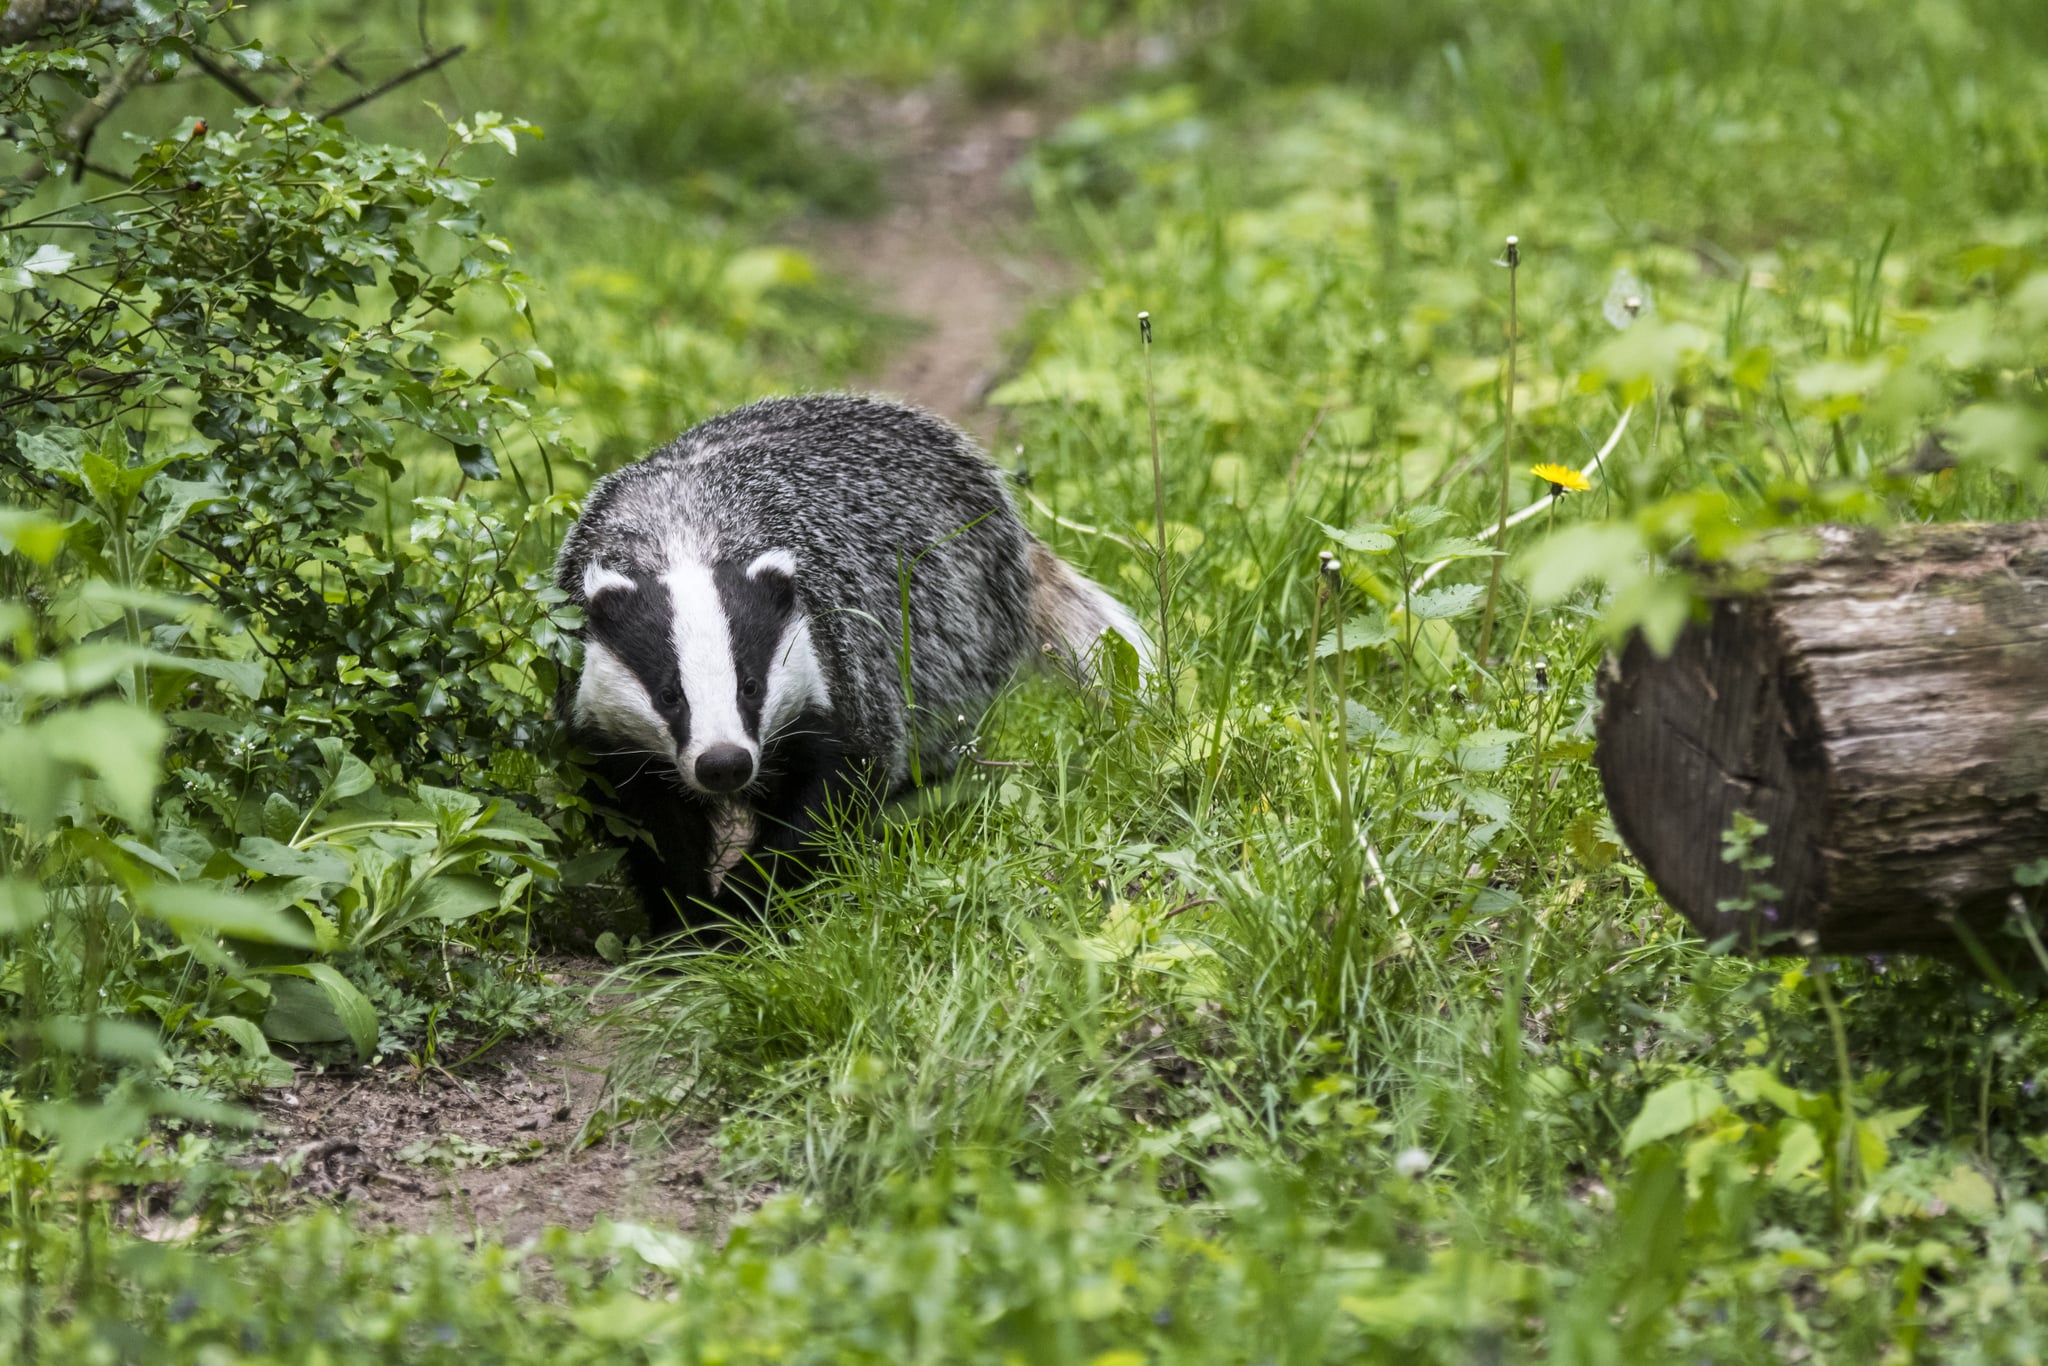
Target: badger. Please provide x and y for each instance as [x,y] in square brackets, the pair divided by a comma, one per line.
[748,669]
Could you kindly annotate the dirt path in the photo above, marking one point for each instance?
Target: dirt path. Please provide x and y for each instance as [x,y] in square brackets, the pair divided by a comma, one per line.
[498,1146]
[952,253]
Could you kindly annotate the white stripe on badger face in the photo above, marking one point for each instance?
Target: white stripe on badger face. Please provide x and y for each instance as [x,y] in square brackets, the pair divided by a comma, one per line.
[711,685]
[795,678]
[611,700]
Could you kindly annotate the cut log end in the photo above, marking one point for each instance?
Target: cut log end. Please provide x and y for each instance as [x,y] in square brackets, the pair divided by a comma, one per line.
[1881,710]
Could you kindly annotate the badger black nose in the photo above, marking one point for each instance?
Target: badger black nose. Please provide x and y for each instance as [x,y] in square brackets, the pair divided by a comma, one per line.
[725,768]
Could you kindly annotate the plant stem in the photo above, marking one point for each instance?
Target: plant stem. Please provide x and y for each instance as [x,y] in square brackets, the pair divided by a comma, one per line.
[1159,513]
[1507,445]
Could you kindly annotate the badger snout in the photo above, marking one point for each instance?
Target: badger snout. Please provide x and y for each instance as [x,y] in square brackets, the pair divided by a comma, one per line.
[724,768]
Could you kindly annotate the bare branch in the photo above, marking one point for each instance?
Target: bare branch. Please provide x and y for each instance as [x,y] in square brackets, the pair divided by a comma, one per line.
[296,86]
[418,69]
[243,91]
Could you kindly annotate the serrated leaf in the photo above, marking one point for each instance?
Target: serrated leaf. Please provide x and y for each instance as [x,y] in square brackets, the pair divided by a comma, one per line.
[1588,838]
[1369,540]
[1361,632]
[1447,603]
[1454,548]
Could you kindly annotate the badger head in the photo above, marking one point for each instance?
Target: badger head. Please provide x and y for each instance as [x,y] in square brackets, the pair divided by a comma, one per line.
[696,663]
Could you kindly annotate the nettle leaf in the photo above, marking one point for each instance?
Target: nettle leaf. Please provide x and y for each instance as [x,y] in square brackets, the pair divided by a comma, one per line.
[1455,548]
[1484,751]
[1448,603]
[1369,540]
[1360,632]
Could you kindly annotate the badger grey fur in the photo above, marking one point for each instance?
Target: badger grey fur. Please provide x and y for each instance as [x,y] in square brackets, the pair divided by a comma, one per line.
[744,641]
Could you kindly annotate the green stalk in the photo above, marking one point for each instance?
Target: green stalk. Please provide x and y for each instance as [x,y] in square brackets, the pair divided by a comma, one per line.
[1159,513]
[1507,445]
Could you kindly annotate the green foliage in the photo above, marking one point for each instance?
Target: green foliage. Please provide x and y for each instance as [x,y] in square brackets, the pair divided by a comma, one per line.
[1311,1013]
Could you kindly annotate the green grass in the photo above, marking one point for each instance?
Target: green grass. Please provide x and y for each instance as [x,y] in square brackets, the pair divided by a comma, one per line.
[1123,1051]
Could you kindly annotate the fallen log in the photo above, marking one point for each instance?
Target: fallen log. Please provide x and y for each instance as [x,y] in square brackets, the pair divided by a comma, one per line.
[1881,709]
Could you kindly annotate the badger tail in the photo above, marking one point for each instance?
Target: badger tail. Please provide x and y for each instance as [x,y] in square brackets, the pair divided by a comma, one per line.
[1070,612]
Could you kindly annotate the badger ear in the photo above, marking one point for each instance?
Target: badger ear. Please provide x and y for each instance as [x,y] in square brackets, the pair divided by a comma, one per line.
[775,570]
[597,579]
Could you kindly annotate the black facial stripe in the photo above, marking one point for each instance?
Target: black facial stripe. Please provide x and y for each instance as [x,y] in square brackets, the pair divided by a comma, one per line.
[638,625]
[756,609]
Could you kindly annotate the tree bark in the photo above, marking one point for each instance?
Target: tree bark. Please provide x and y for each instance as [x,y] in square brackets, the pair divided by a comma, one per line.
[1882,709]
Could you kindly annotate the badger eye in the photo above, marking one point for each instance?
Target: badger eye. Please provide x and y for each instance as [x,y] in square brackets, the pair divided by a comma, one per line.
[751,689]
[670,697]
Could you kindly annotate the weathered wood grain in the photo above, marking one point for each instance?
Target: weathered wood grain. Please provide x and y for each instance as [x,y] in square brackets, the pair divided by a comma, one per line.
[1882,708]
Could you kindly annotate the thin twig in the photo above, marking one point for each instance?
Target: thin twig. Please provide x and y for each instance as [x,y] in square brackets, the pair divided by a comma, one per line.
[243,91]
[411,73]
[296,86]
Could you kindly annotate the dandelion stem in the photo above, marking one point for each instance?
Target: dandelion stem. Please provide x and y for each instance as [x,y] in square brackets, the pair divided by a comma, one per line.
[1507,446]
[1159,511]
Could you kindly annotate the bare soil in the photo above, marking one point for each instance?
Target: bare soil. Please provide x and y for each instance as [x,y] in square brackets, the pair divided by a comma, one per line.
[499,1147]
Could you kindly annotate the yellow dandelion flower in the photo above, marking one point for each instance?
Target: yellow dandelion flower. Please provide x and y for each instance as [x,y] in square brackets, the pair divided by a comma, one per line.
[1560,478]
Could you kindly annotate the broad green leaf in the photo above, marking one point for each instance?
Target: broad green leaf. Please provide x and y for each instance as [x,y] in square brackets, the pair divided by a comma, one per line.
[455,897]
[22,905]
[1609,552]
[1672,1109]
[247,1034]
[205,907]
[261,855]
[358,1017]
[2006,436]
[347,776]
[1965,1191]
[119,743]
[105,1037]
[30,533]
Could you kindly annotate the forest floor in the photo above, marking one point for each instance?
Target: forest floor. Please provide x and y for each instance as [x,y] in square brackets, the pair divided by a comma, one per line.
[507,1144]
